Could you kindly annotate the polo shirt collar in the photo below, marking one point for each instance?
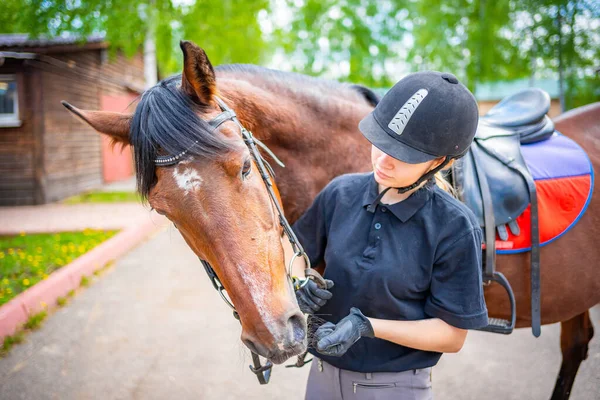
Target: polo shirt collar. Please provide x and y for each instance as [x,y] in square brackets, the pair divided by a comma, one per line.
[404,209]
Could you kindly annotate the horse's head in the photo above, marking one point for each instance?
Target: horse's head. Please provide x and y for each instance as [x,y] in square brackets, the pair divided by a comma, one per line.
[216,198]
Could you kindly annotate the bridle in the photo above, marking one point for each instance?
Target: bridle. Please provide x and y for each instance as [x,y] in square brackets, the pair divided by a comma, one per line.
[263,372]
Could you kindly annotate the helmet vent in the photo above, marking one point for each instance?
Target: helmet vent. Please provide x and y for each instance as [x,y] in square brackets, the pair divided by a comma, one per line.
[400,120]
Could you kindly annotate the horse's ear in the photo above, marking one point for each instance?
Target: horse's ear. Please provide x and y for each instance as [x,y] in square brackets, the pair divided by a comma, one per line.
[114,124]
[198,77]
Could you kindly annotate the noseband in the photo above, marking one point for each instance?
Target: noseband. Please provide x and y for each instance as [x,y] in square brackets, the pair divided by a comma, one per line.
[263,373]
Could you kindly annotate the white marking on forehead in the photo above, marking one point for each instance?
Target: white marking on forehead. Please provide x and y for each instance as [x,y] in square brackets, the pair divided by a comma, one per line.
[259,298]
[188,180]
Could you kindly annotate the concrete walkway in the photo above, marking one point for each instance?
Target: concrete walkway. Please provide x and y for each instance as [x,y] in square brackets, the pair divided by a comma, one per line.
[126,185]
[154,328]
[76,217]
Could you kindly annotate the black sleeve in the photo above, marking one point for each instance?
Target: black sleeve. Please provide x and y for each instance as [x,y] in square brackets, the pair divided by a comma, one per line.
[456,293]
[311,228]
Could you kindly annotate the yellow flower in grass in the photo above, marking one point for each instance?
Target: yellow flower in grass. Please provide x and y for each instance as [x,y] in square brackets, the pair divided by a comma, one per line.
[30,258]
[1,255]
[22,234]
[26,282]
[81,249]
[8,290]
[5,281]
[64,248]
[38,249]
[44,275]
[11,251]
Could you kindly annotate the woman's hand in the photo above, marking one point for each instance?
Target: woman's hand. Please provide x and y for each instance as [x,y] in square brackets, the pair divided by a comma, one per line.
[311,297]
[336,339]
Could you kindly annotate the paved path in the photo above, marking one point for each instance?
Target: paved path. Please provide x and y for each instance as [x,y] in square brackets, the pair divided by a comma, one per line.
[154,328]
[75,217]
[127,185]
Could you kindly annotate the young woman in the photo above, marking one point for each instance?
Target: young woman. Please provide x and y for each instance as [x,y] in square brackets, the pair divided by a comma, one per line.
[406,263]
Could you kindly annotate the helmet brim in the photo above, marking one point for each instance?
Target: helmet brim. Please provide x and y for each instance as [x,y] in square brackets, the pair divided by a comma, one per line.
[375,134]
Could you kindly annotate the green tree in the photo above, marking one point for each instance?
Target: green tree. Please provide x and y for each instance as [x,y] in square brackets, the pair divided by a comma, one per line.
[478,40]
[564,38]
[228,30]
[473,39]
[348,39]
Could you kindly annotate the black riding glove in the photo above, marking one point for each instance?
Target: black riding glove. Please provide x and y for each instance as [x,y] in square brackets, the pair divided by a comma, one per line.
[311,298]
[336,339]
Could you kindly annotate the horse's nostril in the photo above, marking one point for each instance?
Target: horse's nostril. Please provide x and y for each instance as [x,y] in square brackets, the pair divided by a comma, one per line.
[250,345]
[298,325]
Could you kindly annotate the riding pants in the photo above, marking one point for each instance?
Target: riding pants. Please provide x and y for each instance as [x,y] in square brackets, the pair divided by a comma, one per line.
[328,382]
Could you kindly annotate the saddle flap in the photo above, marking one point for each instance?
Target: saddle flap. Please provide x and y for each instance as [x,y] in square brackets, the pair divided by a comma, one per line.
[496,158]
[522,108]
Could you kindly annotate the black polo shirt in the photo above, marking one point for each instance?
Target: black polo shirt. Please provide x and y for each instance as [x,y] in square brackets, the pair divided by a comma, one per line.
[416,259]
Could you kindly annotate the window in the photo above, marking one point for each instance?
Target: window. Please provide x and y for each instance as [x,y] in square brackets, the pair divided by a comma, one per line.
[9,103]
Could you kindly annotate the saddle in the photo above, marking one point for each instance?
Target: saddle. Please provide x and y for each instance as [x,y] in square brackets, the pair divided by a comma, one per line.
[494,181]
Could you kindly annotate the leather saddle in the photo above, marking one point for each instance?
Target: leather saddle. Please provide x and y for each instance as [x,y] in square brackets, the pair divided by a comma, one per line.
[496,150]
[493,180]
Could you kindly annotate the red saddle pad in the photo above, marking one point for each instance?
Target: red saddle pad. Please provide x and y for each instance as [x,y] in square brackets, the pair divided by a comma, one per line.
[564,179]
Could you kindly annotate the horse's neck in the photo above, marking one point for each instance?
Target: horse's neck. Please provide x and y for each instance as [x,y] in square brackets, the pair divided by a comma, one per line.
[315,142]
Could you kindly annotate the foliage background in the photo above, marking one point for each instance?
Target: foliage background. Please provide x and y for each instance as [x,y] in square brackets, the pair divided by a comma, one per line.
[373,42]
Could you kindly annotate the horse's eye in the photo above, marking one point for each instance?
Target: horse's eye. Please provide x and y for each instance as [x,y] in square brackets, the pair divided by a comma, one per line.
[247,168]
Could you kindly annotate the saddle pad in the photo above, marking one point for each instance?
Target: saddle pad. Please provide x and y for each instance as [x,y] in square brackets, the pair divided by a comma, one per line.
[564,179]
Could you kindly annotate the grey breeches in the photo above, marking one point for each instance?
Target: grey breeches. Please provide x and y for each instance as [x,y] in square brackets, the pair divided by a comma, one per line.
[326,382]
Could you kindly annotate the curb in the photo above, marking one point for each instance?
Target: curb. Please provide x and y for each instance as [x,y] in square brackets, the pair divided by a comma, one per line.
[44,294]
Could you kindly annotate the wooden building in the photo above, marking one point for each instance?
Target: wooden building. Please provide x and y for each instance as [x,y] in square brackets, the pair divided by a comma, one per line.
[45,153]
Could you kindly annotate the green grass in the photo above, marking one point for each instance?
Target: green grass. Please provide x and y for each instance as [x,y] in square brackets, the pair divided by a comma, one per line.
[10,341]
[27,259]
[103,197]
[35,321]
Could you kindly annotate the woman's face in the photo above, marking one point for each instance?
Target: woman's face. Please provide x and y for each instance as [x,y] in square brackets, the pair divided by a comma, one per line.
[391,172]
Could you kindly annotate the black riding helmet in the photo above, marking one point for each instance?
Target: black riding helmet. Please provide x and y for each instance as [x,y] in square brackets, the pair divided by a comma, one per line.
[424,116]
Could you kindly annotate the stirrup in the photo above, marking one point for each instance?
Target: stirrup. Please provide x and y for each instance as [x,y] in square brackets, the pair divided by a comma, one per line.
[498,325]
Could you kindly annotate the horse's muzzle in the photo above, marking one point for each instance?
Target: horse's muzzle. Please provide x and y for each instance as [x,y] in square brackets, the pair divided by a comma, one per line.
[288,339]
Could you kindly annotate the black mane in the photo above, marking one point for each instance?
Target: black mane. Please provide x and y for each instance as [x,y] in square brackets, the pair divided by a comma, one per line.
[166,120]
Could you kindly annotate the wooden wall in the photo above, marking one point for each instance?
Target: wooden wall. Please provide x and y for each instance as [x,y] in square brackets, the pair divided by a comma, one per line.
[54,155]
[72,159]
[21,177]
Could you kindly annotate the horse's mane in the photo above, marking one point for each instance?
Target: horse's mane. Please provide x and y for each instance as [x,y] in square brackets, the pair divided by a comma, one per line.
[302,87]
[166,120]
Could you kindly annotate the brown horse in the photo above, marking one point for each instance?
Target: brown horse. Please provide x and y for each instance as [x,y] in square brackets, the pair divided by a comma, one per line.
[224,214]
